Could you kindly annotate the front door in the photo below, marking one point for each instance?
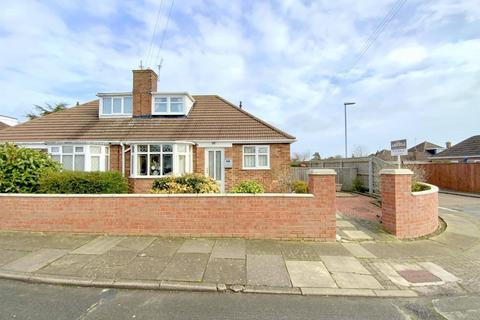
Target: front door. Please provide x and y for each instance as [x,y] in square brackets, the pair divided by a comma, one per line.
[214,168]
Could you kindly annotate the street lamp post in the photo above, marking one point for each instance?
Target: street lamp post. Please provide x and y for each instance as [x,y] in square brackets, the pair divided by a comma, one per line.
[345,104]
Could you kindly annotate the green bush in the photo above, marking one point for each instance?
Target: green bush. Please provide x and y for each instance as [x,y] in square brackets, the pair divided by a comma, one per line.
[187,183]
[21,168]
[357,185]
[75,182]
[299,186]
[248,186]
[417,186]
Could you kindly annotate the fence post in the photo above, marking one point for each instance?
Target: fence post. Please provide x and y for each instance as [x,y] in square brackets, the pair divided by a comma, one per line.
[370,175]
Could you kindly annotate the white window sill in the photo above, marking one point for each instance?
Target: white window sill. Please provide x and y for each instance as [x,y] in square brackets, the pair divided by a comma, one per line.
[257,168]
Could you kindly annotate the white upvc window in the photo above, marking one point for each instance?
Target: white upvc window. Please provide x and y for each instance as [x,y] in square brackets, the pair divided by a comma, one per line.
[156,160]
[81,157]
[256,157]
[116,106]
[168,105]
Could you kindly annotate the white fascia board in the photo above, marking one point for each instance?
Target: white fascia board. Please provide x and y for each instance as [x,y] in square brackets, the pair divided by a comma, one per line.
[454,157]
[181,93]
[259,141]
[114,94]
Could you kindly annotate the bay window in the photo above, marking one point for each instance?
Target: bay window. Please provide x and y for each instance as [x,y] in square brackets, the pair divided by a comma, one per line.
[155,160]
[256,157]
[81,158]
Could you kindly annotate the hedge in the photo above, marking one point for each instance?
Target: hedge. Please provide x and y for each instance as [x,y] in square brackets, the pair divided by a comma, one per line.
[74,182]
[21,168]
[248,186]
[187,183]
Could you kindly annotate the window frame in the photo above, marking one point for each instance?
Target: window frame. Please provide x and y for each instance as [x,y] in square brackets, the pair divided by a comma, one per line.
[134,173]
[115,114]
[169,105]
[257,154]
[57,150]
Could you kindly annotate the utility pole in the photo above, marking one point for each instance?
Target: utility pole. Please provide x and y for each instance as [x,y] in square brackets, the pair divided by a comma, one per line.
[345,104]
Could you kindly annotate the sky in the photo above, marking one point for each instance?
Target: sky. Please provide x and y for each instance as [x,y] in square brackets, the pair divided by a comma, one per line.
[292,63]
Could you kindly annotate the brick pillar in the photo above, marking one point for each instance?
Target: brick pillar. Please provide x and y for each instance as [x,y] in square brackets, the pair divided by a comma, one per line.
[144,83]
[396,195]
[321,183]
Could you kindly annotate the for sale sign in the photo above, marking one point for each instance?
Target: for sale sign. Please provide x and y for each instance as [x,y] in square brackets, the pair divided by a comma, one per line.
[399,147]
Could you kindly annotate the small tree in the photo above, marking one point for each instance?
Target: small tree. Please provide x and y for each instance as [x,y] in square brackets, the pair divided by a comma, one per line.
[41,111]
[21,168]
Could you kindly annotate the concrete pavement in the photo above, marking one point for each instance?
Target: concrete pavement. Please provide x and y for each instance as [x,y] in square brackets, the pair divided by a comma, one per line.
[366,262]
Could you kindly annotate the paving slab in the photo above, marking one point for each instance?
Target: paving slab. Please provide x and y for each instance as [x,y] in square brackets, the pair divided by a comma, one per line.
[69,264]
[309,274]
[358,251]
[196,246]
[258,247]
[391,273]
[229,249]
[298,251]
[144,268]
[396,293]
[99,245]
[227,271]
[344,264]
[331,249]
[185,267]
[162,248]
[439,271]
[419,276]
[134,243]
[345,224]
[356,281]
[35,260]
[357,235]
[267,270]
[7,256]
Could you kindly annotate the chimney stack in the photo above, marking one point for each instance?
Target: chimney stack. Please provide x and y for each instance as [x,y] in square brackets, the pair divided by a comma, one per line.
[448,144]
[144,83]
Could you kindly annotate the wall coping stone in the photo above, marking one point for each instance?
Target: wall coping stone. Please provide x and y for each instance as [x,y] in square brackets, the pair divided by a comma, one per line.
[396,171]
[322,172]
[433,189]
[153,195]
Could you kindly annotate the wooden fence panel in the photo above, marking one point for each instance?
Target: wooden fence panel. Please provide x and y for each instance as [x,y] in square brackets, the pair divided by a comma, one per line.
[452,176]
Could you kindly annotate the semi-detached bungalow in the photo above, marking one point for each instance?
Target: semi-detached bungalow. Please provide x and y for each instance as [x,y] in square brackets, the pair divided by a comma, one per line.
[146,134]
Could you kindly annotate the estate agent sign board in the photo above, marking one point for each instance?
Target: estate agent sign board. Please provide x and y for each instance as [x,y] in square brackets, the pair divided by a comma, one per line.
[399,147]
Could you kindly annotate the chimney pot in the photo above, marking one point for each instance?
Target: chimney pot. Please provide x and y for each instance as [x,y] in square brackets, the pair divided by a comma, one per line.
[448,144]
[144,83]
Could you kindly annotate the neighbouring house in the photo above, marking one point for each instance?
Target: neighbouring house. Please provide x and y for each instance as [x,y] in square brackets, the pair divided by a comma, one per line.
[466,151]
[421,152]
[146,134]
[7,122]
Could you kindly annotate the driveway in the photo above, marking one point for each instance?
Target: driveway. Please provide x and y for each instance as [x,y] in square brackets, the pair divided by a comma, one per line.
[459,203]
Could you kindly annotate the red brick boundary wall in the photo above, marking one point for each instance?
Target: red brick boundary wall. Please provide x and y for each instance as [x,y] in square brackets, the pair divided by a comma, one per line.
[407,214]
[272,216]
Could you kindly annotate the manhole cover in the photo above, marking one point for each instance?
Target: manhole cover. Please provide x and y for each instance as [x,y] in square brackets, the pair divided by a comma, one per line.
[419,276]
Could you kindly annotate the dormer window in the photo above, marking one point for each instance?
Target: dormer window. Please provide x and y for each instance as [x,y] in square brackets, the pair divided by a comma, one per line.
[168,105]
[116,106]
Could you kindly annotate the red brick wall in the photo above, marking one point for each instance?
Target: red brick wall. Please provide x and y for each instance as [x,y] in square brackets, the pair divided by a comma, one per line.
[453,176]
[283,216]
[406,214]
[144,83]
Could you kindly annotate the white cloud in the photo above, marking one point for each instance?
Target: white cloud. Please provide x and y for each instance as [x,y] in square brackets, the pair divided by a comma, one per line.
[288,61]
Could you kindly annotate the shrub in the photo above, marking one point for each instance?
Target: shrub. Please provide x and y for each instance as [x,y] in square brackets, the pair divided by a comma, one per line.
[21,168]
[299,186]
[187,183]
[75,182]
[248,186]
[416,187]
[357,185]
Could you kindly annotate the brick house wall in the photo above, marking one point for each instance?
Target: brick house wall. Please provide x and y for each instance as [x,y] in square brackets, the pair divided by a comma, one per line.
[271,178]
[407,214]
[272,216]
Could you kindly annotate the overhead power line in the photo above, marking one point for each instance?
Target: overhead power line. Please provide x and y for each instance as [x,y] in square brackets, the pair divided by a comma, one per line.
[378,30]
[164,33]
[154,33]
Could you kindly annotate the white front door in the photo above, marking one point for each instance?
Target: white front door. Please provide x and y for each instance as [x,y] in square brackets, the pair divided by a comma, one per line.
[214,165]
